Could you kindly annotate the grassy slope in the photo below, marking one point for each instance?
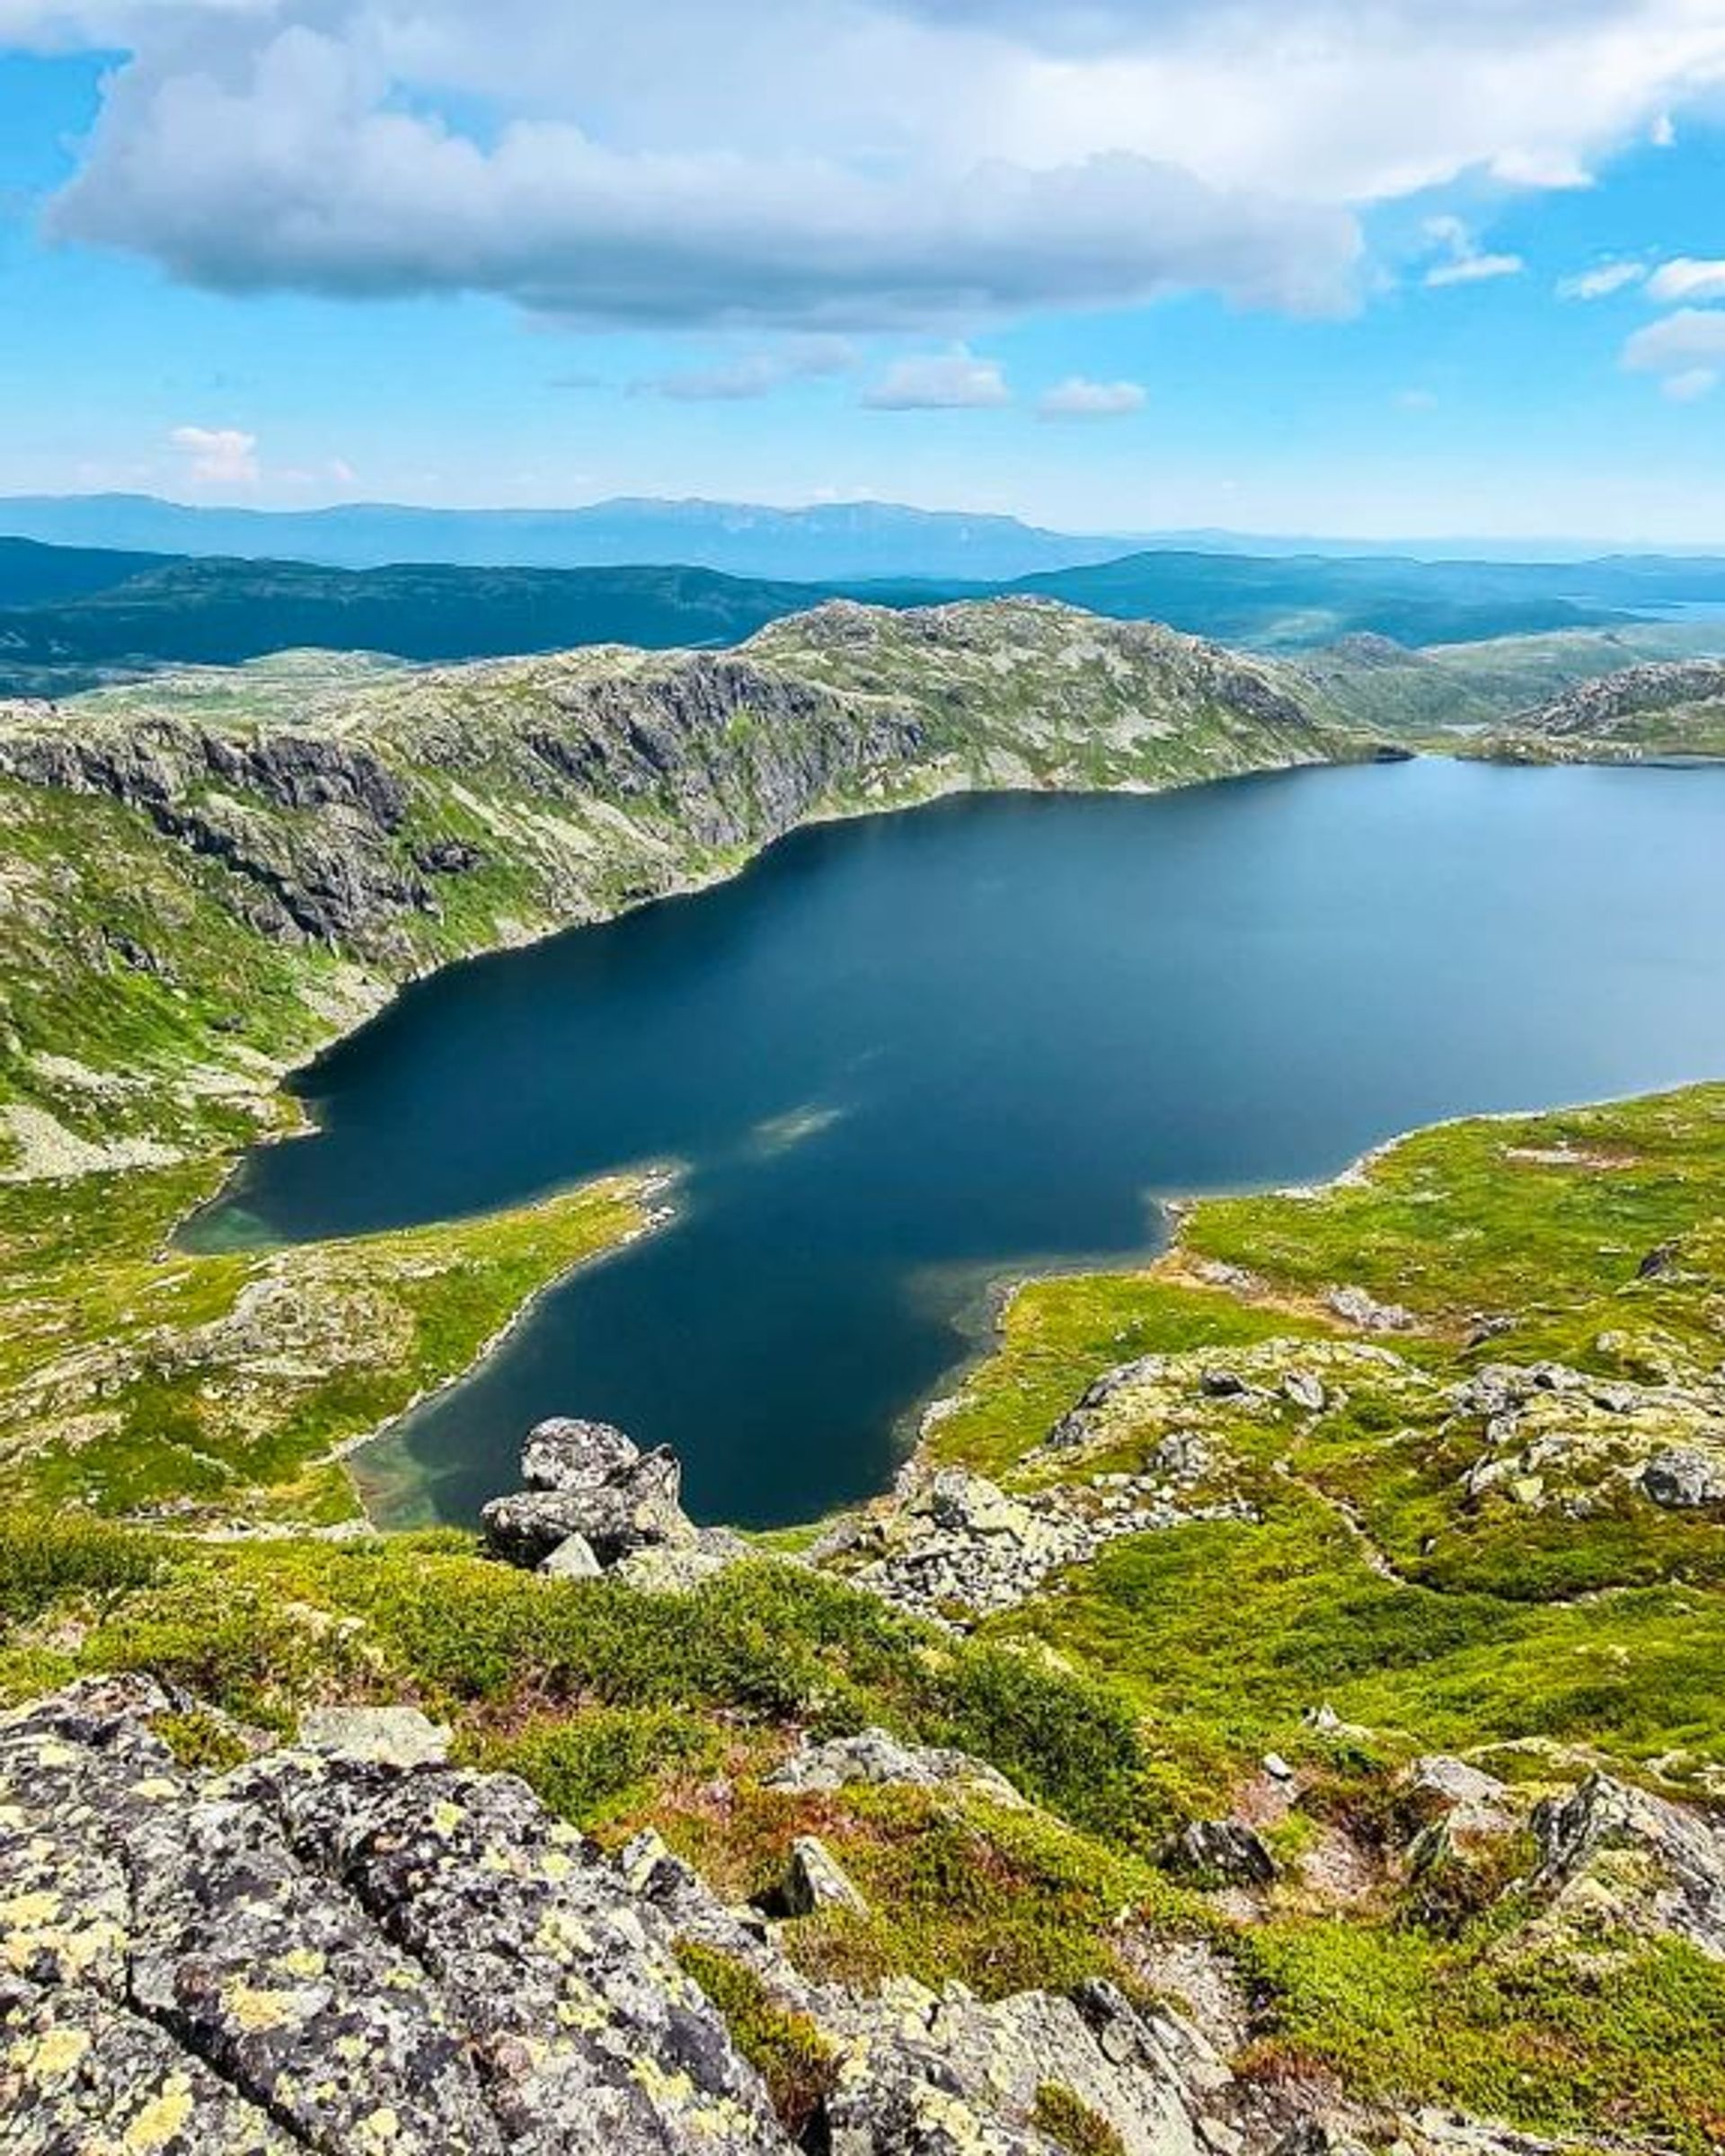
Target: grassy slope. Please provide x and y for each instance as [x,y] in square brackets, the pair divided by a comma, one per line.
[1156,1679]
[1505,1622]
[133,1376]
[1426,694]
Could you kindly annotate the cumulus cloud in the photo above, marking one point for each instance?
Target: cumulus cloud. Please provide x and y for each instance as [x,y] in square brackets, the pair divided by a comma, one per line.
[1686,280]
[1078,398]
[1685,351]
[218,457]
[1601,281]
[836,163]
[1461,259]
[954,381]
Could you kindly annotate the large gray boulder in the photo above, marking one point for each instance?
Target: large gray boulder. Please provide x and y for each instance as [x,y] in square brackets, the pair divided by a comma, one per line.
[1685,1479]
[628,1505]
[565,1453]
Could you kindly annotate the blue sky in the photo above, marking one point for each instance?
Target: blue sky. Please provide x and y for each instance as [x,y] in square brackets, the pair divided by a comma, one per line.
[1299,268]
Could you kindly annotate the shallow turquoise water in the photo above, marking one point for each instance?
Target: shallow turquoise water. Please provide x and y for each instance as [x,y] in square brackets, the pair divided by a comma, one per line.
[904,1057]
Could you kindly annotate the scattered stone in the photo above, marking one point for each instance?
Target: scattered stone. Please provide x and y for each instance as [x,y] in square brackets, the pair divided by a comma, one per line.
[381,1736]
[1277,1767]
[1475,1800]
[572,1559]
[674,1567]
[1221,1384]
[1221,1850]
[1306,1391]
[875,1758]
[816,1880]
[1355,1307]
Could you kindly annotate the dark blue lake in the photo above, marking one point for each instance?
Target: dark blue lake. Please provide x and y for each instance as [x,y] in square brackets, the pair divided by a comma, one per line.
[901,1058]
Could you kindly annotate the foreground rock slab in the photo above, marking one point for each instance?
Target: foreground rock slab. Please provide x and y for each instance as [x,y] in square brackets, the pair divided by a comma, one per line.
[315,1951]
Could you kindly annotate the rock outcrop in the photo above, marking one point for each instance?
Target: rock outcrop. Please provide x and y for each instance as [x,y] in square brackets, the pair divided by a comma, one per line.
[315,1952]
[958,1548]
[1614,1859]
[594,1500]
[876,1758]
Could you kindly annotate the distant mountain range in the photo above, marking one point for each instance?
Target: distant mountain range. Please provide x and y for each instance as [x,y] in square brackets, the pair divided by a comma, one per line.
[848,541]
[842,541]
[72,616]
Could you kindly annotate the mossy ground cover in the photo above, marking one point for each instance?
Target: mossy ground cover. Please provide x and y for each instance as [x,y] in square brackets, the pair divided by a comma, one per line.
[135,1375]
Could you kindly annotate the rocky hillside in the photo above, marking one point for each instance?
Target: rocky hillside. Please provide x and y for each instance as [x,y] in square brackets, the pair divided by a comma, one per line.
[332,827]
[1663,710]
[349,1946]
[1276,1712]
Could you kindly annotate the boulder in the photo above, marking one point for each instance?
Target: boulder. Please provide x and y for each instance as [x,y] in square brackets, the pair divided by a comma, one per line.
[816,1880]
[942,2074]
[1221,1851]
[1474,1802]
[564,1453]
[572,1559]
[382,1737]
[877,1759]
[316,1952]
[1614,1858]
[1305,1391]
[1684,1479]
[525,1529]
[629,1507]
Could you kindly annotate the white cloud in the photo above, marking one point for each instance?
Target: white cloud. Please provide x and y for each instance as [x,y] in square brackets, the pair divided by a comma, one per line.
[1078,398]
[954,381]
[218,457]
[1685,350]
[1601,281]
[837,162]
[1461,259]
[752,374]
[1686,279]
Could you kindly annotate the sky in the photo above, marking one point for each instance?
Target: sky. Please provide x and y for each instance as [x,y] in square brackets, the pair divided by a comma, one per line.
[1384,269]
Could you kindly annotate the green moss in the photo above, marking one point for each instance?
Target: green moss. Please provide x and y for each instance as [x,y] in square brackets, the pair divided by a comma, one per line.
[199,1739]
[796,2062]
[1068,2120]
[1631,2048]
[594,1763]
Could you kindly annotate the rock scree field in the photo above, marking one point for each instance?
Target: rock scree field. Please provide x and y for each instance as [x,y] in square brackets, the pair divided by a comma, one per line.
[1277,1709]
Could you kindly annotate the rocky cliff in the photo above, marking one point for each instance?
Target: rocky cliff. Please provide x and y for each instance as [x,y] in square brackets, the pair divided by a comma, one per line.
[357,825]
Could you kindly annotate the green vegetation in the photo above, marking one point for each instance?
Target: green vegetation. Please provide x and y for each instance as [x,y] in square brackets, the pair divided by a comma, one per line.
[134,1374]
[1376,1546]
[1067,2119]
[792,2056]
[1631,2047]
